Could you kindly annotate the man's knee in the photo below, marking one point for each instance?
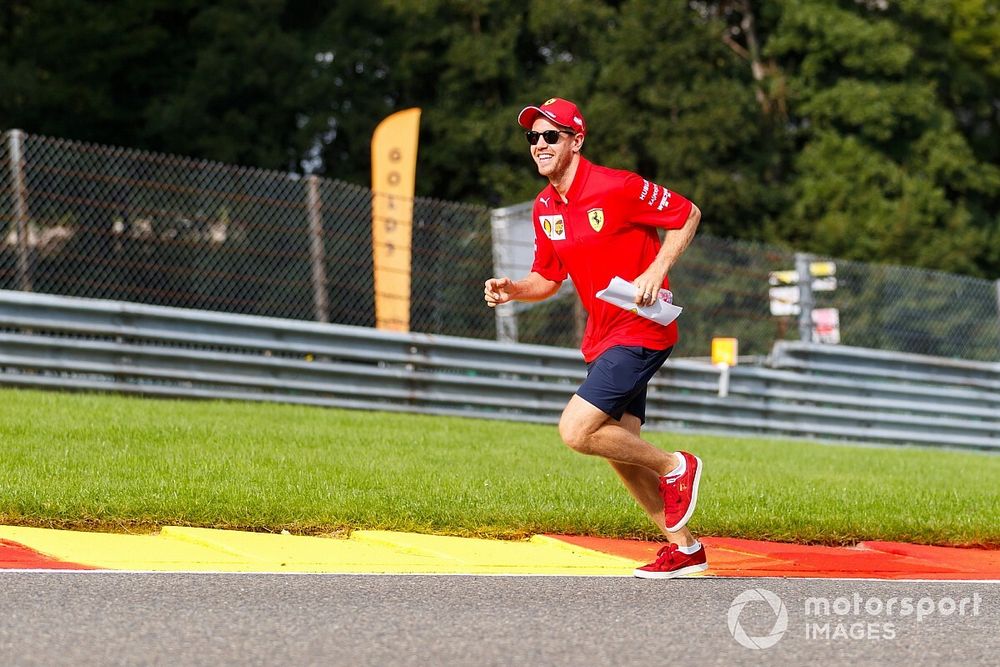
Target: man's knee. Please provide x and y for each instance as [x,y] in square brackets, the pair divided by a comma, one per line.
[576,435]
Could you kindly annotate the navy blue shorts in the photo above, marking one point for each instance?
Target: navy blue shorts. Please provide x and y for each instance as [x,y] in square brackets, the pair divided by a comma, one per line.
[616,380]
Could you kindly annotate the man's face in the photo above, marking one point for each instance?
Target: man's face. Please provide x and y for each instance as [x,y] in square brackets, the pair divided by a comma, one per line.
[553,159]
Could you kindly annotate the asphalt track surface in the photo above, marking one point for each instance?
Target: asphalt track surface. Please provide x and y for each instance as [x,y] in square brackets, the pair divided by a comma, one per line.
[120,618]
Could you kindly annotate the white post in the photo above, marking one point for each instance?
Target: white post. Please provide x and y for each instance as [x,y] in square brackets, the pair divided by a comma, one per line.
[16,143]
[505,315]
[723,380]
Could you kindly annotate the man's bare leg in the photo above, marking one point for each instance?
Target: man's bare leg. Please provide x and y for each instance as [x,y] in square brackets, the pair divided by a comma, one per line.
[638,463]
[588,430]
[644,485]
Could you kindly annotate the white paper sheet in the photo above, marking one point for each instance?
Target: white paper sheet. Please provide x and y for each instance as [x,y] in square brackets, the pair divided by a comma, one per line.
[621,293]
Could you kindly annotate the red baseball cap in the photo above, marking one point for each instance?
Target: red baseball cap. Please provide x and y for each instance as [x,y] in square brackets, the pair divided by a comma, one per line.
[559,111]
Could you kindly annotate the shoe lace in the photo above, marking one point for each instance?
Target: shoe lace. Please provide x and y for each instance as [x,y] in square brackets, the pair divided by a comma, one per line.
[666,553]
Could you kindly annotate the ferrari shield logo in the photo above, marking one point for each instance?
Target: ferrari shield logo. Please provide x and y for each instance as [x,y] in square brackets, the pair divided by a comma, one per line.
[596,217]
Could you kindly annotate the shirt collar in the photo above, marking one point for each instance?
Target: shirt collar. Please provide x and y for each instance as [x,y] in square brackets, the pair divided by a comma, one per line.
[579,179]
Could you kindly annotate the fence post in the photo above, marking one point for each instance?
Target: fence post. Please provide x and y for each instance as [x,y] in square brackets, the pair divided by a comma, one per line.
[997,285]
[806,301]
[16,143]
[316,251]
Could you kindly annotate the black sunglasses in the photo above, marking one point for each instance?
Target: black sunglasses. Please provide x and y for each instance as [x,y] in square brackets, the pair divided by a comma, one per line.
[550,136]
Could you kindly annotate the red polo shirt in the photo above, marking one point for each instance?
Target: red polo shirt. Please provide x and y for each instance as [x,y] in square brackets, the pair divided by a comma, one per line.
[606,229]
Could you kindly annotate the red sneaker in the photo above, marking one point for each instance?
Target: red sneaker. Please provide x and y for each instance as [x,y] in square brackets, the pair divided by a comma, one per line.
[680,493]
[671,562]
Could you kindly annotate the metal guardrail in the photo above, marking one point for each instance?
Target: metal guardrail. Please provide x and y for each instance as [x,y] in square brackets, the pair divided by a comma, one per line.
[803,390]
[832,360]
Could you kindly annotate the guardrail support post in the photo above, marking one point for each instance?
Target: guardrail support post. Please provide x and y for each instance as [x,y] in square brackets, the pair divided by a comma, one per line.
[16,143]
[316,252]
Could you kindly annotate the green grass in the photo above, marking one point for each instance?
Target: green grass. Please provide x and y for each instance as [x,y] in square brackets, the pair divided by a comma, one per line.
[112,463]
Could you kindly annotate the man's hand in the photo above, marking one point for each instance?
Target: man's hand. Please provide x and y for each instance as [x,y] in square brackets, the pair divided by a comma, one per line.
[532,287]
[647,286]
[498,291]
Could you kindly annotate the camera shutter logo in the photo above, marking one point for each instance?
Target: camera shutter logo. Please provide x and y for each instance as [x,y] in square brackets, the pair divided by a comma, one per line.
[780,618]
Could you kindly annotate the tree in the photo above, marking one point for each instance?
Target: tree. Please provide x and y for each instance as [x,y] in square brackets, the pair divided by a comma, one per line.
[224,81]
[882,172]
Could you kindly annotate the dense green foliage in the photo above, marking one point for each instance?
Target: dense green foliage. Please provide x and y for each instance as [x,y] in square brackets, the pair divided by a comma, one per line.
[862,129]
[108,462]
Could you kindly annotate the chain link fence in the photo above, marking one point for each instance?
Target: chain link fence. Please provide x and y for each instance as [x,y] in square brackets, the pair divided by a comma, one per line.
[94,221]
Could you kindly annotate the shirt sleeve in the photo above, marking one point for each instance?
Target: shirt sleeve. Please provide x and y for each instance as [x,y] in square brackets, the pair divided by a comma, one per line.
[547,264]
[648,203]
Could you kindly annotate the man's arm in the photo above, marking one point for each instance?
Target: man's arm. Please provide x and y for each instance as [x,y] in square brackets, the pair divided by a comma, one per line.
[675,241]
[533,287]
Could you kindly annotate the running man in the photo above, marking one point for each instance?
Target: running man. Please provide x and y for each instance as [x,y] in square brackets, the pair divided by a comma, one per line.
[593,223]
